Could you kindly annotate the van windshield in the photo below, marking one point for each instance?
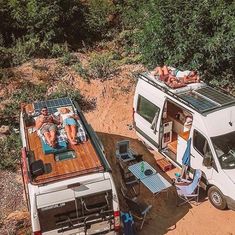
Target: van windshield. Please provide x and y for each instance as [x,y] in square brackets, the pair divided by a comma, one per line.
[225,149]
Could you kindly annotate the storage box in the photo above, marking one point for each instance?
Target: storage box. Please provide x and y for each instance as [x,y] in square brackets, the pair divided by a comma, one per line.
[164,164]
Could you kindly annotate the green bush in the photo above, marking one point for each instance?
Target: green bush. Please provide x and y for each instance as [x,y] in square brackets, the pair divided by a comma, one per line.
[10,152]
[22,95]
[5,75]
[64,90]
[78,68]
[189,35]
[68,59]
[26,49]
[58,50]
[98,14]
[101,64]
[6,57]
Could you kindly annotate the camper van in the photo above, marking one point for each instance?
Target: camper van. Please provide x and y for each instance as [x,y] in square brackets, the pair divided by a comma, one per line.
[68,187]
[195,115]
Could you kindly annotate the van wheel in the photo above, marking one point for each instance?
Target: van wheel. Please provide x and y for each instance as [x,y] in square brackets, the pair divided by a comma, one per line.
[217,198]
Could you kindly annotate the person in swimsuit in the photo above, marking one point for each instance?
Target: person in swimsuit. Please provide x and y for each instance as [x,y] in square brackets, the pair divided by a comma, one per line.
[46,124]
[68,119]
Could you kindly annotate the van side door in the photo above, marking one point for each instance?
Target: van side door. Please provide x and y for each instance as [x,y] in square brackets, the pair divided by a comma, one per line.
[201,149]
[147,116]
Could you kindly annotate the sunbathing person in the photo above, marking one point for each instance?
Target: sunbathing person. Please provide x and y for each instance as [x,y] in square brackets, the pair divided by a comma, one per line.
[46,124]
[162,72]
[68,119]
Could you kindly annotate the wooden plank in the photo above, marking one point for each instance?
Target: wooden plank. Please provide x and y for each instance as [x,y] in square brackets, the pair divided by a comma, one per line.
[86,161]
[95,157]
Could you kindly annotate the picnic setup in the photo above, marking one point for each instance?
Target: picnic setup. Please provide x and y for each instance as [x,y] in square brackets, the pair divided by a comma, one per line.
[137,174]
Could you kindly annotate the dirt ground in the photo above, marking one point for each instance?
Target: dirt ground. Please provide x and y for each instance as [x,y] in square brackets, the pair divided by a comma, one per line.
[112,120]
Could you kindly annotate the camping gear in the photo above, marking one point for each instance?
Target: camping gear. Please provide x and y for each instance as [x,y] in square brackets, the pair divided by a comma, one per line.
[190,191]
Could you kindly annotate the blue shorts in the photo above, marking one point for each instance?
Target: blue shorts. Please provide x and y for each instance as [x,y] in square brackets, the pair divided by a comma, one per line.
[70,122]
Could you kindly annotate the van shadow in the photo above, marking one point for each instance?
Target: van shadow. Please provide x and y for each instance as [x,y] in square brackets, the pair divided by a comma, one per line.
[164,214]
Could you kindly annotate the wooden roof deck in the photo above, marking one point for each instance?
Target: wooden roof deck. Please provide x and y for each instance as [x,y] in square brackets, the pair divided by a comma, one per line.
[86,160]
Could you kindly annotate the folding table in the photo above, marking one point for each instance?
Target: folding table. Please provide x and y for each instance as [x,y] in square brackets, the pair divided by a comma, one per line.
[154,182]
[135,169]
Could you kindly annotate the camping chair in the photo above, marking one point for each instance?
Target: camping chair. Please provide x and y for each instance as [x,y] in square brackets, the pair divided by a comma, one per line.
[123,151]
[190,191]
[139,209]
[128,223]
[128,179]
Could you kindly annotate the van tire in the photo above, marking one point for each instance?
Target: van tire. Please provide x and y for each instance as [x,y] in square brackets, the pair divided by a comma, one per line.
[216,198]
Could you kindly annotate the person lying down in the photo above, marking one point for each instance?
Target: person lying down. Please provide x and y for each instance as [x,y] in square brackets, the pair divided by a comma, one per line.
[47,125]
[68,120]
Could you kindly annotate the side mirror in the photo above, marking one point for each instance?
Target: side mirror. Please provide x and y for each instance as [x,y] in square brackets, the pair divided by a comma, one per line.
[207,161]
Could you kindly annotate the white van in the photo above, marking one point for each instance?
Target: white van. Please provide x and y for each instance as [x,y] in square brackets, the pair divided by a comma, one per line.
[165,119]
[69,189]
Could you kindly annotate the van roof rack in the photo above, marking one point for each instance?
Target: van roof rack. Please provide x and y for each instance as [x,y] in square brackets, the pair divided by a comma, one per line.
[199,96]
[89,157]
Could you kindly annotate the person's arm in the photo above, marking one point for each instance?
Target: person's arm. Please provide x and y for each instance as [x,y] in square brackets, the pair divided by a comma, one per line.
[57,120]
[39,122]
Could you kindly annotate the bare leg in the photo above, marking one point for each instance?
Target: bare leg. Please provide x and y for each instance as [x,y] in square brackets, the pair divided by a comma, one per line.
[69,132]
[53,137]
[48,137]
[73,132]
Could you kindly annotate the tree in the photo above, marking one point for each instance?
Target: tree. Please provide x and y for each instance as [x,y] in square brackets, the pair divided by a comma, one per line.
[190,35]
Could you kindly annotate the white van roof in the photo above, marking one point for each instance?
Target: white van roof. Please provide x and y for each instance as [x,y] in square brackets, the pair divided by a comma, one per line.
[199,96]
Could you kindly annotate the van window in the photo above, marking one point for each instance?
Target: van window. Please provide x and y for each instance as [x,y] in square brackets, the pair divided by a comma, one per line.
[225,149]
[146,109]
[201,144]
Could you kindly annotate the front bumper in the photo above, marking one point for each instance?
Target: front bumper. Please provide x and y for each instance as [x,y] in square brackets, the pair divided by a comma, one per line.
[230,203]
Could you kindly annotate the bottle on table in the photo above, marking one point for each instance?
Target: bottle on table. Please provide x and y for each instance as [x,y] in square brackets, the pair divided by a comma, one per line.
[142,167]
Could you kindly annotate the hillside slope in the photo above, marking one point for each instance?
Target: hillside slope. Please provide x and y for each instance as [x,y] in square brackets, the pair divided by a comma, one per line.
[111,117]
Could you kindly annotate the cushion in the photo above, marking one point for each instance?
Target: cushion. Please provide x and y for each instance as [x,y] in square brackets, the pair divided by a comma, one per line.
[47,149]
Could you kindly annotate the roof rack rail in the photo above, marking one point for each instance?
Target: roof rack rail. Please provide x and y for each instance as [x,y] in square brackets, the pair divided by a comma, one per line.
[165,90]
[200,97]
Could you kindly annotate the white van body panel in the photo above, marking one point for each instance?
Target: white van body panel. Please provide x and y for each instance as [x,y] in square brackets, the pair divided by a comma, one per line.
[55,194]
[74,200]
[153,96]
[212,124]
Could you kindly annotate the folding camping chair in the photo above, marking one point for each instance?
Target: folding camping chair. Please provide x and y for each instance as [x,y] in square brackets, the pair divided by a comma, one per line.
[123,151]
[191,191]
[139,209]
[128,180]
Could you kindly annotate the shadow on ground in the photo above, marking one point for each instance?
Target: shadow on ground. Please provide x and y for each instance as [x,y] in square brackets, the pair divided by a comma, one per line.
[164,214]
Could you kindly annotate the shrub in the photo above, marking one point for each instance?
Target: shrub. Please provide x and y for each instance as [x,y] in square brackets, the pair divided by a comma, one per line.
[5,75]
[26,48]
[68,59]
[101,65]
[98,14]
[6,57]
[64,90]
[10,152]
[78,67]
[189,35]
[21,95]
[58,50]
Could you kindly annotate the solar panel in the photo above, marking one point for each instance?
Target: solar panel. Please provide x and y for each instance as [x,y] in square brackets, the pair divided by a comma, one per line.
[215,95]
[52,105]
[199,102]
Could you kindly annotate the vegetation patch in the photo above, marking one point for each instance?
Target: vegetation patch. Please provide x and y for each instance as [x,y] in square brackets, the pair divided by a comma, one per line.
[10,152]
[101,65]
